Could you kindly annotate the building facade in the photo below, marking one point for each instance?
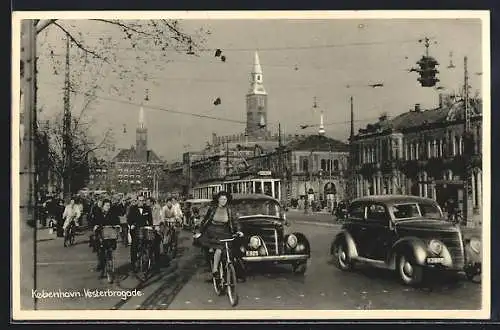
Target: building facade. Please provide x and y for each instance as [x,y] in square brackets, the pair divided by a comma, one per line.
[137,168]
[424,153]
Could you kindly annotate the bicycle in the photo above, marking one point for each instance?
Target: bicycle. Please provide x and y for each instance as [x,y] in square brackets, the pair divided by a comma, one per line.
[226,279]
[145,240]
[70,234]
[108,240]
[170,238]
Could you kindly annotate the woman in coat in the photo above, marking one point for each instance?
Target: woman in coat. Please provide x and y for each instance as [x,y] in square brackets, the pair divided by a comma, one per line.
[219,223]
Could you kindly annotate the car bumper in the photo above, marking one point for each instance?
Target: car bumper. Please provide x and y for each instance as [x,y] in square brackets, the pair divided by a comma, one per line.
[289,257]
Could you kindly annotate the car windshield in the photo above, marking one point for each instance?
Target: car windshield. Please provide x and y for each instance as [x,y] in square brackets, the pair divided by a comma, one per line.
[416,210]
[248,207]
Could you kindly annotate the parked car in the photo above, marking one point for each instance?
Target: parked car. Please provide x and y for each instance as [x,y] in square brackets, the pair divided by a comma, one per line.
[263,223]
[194,210]
[408,234]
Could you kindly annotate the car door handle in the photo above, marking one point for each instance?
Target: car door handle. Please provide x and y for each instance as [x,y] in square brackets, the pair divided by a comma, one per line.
[364,228]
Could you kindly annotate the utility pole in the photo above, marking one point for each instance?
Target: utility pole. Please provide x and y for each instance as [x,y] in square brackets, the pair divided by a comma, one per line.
[465,143]
[350,158]
[67,126]
[227,157]
[27,164]
[283,185]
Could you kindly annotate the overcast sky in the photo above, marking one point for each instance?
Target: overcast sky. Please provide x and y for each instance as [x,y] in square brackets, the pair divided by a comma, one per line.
[300,60]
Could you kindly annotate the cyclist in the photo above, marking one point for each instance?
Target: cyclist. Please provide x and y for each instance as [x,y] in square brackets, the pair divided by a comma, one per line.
[104,218]
[170,214]
[139,215]
[70,215]
[219,223]
[157,222]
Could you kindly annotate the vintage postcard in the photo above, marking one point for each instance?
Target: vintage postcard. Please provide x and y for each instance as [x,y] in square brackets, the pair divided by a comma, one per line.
[251,165]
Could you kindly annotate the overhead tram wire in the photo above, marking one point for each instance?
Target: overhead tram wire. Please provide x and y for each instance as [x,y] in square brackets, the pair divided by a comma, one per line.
[262,49]
[198,115]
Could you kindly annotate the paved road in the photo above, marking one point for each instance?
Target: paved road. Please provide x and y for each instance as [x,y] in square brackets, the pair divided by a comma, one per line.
[325,287]
[182,283]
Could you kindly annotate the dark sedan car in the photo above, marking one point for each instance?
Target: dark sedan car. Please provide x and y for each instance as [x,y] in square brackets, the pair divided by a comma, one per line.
[263,223]
[408,234]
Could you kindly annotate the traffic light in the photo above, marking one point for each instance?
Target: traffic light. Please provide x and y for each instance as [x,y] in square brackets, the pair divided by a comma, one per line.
[427,71]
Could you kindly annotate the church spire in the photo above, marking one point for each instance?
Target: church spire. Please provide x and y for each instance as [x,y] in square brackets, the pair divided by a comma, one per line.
[256,64]
[256,84]
[321,125]
[142,124]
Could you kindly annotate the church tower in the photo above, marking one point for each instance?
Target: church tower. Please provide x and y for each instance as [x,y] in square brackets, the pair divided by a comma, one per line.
[141,140]
[256,103]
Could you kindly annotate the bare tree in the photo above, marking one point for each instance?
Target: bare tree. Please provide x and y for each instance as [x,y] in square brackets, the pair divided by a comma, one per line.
[82,143]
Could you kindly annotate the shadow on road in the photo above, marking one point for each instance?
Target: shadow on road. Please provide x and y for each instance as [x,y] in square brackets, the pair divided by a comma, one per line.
[432,282]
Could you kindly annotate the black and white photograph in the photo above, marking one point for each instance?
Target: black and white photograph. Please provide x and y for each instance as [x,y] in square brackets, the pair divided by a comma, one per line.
[251,165]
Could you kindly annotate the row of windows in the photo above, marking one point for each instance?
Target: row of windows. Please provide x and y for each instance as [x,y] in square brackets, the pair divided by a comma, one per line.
[133,176]
[414,150]
[326,164]
[129,181]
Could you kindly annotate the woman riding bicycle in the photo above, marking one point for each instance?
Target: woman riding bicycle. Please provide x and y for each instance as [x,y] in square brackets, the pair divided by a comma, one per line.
[219,223]
[104,218]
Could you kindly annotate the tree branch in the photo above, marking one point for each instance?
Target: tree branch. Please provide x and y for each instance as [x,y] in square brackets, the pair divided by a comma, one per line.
[44,25]
[127,27]
[79,44]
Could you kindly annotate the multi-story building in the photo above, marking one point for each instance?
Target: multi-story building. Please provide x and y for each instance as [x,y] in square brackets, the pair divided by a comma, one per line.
[99,172]
[422,152]
[137,168]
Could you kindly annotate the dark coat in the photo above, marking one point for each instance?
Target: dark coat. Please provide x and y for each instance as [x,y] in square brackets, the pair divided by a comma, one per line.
[233,224]
[108,219]
[137,219]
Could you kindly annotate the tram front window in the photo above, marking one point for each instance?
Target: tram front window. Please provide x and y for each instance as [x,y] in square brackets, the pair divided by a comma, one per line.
[268,188]
[258,187]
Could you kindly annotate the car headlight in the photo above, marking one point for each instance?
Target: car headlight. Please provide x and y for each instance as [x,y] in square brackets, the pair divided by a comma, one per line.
[254,242]
[435,246]
[475,245]
[291,241]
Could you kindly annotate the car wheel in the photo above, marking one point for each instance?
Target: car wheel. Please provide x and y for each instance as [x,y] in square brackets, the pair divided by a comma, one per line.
[299,268]
[341,257]
[409,272]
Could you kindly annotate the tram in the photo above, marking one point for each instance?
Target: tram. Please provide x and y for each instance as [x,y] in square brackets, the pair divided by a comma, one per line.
[261,182]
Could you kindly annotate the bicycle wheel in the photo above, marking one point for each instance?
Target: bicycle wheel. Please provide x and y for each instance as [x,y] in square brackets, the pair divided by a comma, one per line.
[231,285]
[72,237]
[147,260]
[110,267]
[218,282]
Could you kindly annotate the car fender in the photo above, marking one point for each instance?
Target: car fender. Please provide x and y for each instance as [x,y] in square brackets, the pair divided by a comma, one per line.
[301,239]
[412,247]
[346,237]
[471,257]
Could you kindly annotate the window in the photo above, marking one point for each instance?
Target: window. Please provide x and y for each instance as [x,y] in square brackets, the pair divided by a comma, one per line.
[357,211]
[323,165]
[405,211]
[305,165]
[336,165]
[376,213]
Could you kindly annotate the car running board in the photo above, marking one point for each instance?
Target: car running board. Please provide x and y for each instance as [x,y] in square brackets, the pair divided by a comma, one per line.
[372,262]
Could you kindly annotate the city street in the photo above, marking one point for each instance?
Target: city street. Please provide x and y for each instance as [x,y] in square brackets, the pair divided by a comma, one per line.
[182,284]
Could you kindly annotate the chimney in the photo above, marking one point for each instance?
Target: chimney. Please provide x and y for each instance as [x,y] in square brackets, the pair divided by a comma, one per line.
[417,107]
